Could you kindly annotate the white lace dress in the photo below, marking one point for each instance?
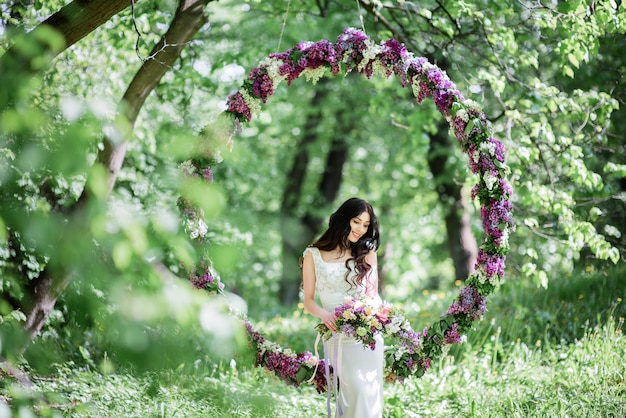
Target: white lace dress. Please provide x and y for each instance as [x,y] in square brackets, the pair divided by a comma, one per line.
[359,369]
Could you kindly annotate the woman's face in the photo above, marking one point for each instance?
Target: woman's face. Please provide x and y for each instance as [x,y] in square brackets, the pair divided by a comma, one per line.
[358,226]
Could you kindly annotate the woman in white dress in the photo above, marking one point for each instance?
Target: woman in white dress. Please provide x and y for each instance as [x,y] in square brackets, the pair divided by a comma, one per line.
[343,262]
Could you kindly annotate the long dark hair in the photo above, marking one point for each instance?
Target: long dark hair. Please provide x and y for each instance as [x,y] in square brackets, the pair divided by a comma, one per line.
[337,236]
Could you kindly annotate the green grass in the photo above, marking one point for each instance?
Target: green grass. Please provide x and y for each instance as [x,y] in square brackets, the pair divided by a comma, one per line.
[556,352]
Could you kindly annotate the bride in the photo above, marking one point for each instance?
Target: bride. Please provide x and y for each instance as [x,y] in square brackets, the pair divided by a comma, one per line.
[343,262]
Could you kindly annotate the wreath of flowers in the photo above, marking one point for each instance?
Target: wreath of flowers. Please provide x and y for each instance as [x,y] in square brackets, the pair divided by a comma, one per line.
[413,352]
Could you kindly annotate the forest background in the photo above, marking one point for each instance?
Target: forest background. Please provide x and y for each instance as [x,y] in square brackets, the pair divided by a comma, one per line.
[104,103]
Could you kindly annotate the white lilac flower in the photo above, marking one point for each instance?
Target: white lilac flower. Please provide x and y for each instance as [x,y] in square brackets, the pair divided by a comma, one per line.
[314,75]
[476,156]
[400,352]
[379,69]
[490,179]
[253,103]
[472,105]
[272,67]
[392,328]
[372,50]
[504,239]
[480,275]
[463,115]
[187,168]
[198,228]
[445,348]
[488,147]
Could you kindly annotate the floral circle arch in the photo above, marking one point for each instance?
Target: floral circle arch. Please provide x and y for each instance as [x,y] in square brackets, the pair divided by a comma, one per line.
[355,51]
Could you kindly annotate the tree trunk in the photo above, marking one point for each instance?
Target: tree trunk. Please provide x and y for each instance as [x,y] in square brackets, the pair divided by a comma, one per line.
[460,240]
[296,233]
[299,232]
[189,18]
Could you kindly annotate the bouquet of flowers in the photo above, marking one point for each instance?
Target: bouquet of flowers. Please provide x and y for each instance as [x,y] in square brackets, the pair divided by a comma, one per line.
[363,318]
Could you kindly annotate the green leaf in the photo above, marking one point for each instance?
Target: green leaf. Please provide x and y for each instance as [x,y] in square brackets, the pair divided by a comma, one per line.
[470,125]
[566,6]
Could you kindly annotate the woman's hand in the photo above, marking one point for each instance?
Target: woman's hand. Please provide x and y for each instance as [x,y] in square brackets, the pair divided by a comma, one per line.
[329,319]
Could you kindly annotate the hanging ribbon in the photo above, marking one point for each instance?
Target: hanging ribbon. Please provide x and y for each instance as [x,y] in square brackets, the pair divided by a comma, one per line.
[327,368]
[336,367]
[317,356]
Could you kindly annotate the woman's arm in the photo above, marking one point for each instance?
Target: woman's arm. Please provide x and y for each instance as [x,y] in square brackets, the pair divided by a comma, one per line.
[371,282]
[308,279]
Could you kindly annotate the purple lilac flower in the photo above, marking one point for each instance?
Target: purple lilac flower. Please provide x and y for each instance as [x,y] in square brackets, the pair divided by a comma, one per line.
[339,310]
[492,264]
[439,79]
[207,174]
[202,281]
[413,68]
[471,150]
[452,335]
[348,330]
[469,302]
[283,365]
[262,85]
[499,154]
[425,363]
[496,213]
[475,190]
[459,126]
[424,92]
[350,46]
[254,335]
[410,340]
[320,376]
[236,104]
[392,57]
[444,100]
[506,188]
[289,68]
[484,163]
[317,54]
